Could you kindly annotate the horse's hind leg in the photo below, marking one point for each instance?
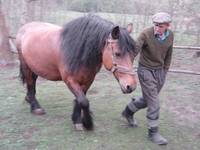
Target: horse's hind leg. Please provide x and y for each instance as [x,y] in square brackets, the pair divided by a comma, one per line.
[87,119]
[30,78]
[76,116]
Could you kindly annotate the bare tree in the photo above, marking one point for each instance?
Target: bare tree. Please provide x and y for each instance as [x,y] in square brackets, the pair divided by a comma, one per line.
[42,9]
[28,10]
[6,56]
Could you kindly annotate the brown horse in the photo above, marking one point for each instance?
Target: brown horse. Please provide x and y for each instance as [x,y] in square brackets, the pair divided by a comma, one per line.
[74,53]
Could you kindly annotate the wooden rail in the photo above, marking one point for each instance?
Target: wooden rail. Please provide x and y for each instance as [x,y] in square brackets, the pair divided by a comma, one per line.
[187,48]
[170,70]
[179,71]
[184,71]
[197,49]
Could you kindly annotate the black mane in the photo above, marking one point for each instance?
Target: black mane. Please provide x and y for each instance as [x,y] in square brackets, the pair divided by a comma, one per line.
[83,39]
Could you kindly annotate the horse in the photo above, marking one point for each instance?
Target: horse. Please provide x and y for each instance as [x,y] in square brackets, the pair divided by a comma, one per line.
[74,53]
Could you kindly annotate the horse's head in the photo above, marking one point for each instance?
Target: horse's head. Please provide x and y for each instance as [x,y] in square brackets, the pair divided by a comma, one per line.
[118,58]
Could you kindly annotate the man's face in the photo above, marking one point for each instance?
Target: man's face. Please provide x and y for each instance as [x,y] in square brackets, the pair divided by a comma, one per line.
[161,28]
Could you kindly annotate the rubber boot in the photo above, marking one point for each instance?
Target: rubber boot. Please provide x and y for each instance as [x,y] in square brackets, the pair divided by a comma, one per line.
[128,115]
[155,137]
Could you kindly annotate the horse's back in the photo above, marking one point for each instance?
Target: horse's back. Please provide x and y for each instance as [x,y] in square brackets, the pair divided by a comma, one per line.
[35,30]
[39,45]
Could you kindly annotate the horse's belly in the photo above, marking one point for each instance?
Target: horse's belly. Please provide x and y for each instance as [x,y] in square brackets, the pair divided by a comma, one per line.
[42,65]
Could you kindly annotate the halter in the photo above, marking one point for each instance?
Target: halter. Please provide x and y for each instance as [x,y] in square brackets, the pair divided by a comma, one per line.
[116,67]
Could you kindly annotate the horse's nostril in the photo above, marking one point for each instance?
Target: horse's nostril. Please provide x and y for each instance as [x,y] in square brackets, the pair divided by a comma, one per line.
[129,89]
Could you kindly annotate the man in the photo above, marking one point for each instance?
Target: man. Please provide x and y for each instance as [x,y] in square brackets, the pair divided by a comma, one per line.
[155,47]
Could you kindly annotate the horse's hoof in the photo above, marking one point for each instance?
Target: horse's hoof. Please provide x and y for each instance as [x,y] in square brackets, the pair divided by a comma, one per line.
[38,111]
[79,127]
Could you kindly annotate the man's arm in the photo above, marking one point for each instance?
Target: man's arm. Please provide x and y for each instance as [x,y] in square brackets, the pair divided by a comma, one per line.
[139,43]
[168,58]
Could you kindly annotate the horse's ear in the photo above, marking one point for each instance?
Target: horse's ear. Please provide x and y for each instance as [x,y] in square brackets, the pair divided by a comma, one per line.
[129,28]
[115,32]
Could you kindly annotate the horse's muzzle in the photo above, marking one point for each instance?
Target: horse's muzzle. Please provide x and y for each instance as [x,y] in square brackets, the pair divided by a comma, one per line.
[127,89]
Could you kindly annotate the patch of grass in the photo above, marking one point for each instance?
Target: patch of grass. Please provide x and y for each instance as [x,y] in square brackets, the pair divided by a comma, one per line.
[21,130]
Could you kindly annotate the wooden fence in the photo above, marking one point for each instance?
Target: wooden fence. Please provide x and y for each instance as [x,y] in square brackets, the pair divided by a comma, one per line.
[197,49]
[187,48]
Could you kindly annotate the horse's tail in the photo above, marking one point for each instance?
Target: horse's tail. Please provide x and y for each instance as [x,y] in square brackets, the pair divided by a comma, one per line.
[21,67]
[22,73]
[22,64]
[21,59]
[87,119]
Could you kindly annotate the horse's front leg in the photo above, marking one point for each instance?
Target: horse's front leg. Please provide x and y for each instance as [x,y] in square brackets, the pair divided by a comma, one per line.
[76,116]
[81,112]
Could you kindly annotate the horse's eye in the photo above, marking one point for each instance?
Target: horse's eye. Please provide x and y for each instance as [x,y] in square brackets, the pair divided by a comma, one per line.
[117,54]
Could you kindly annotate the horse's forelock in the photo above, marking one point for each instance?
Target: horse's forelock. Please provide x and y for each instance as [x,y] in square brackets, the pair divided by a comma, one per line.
[126,43]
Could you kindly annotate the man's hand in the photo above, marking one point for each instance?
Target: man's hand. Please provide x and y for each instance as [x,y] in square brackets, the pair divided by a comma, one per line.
[166,70]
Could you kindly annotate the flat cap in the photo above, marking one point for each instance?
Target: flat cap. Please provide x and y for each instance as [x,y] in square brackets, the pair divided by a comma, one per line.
[161,17]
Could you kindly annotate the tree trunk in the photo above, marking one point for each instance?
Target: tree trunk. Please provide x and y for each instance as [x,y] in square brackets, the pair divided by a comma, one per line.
[42,10]
[28,9]
[198,34]
[6,57]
